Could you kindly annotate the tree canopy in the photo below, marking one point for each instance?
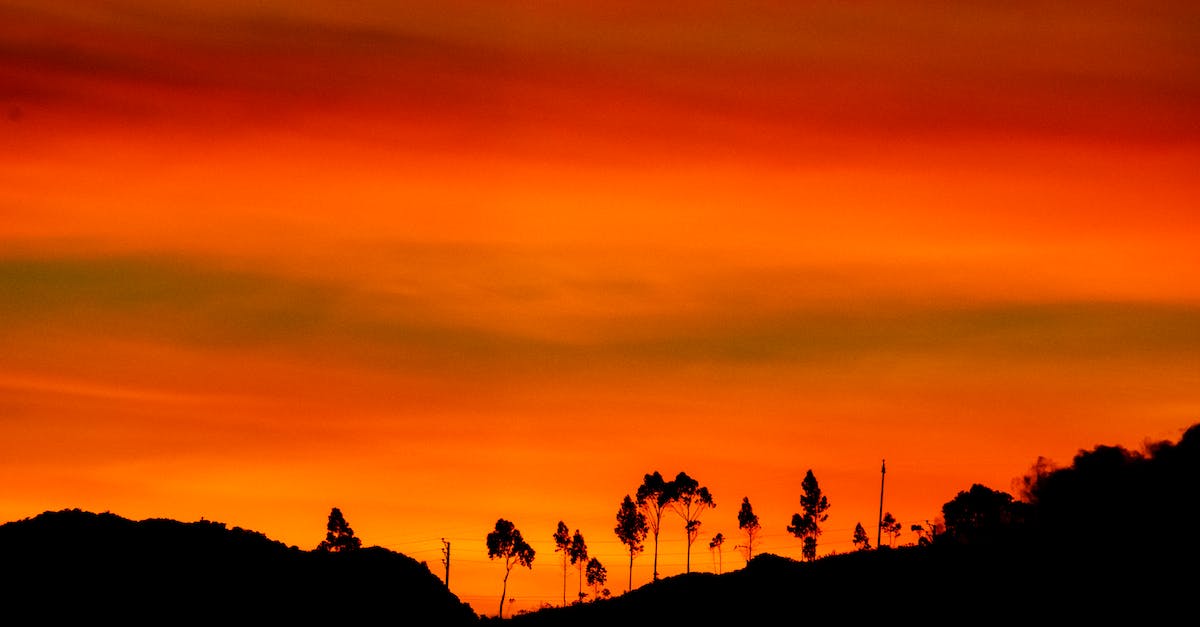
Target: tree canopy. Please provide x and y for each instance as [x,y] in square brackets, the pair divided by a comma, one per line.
[807,525]
[748,523]
[653,497]
[631,529]
[689,499]
[339,536]
[505,542]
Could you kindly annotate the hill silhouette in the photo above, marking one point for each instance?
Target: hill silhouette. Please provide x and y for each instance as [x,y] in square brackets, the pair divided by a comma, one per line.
[74,565]
[1105,539]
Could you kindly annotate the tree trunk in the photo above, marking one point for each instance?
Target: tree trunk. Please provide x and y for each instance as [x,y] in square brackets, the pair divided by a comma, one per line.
[504,592]
[656,555]
[689,554]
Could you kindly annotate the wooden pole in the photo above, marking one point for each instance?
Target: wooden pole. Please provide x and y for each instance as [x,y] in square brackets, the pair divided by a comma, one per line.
[879,522]
[446,560]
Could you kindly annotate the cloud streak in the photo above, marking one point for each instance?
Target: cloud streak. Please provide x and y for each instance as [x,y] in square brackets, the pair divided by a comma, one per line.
[440,262]
[706,77]
[502,319]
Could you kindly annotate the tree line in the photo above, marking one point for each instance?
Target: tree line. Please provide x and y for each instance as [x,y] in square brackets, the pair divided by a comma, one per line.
[640,518]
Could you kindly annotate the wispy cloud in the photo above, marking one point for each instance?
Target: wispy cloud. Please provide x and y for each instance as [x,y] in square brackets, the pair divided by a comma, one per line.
[480,313]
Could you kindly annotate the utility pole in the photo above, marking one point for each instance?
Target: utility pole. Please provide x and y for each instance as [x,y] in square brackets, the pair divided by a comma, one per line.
[879,521]
[446,559]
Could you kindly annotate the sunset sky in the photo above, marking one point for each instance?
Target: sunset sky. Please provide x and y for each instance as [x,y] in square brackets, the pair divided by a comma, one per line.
[437,263]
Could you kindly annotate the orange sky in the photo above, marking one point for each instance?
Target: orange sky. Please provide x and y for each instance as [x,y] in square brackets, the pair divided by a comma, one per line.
[456,261]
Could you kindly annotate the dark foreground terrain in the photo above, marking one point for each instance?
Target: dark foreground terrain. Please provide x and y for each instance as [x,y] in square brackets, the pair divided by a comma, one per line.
[1107,540]
[67,566]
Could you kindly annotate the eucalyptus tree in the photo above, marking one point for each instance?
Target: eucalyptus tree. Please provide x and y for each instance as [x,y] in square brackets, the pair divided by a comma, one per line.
[505,542]
[890,526]
[562,542]
[689,499]
[860,539]
[748,523]
[631,529]
[715,544]
[339,536]
[597,576]
[653,497]
[814,505]
[579,554]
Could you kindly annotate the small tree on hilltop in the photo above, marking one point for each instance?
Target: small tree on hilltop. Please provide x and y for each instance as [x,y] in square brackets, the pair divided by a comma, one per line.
[631,529]
[861,541]
[597,576]
[505,542]
[748,523]
[579,554]
[689,500]
[339,536]
[808,526]
[562,542]
[715,544]
[653,497]
[891,527]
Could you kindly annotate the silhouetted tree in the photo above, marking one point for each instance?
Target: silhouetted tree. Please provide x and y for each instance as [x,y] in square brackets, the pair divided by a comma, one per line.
[925,533]
[339,536]
[716,543]
[861,541]
[889,525]
[562,542]
[631,529]
[689,499]
[597,576]
[505,542]
[653,496]
[748,523]
[1155,488]
[807,527]
[579,554]
[1041,469]
[979,514]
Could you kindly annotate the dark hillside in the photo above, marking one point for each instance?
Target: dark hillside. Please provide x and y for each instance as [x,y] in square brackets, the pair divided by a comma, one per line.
[1104,540]
[72,564]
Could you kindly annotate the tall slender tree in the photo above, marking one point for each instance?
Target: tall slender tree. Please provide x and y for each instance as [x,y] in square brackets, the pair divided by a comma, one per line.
[748,523]
[579,555]
[715,544]
[689,499]
[814,505]
[631,529]
[653,497]
[505,542]
[562,542]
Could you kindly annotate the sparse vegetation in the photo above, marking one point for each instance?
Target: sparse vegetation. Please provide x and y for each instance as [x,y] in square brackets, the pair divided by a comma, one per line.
[991,544]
